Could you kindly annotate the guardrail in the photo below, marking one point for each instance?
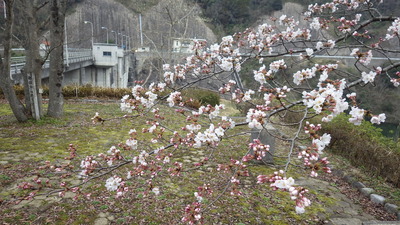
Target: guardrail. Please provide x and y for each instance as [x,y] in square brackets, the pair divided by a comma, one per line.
[16,60]
[77,55]
[71,55]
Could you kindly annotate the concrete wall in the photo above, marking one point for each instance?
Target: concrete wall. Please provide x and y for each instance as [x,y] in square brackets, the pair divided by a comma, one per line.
[106,54]
[110,68]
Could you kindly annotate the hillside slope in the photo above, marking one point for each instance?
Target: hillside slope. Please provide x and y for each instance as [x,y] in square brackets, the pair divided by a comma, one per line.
[167,18]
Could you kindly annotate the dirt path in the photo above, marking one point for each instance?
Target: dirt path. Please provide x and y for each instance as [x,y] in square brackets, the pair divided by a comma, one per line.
[350,207]
[344,210]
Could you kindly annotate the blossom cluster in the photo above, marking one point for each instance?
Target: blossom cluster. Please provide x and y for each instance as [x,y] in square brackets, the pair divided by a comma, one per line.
[113,183]
[357,115]
[174,98]
[193,213]
[378,119]
[300,76]
[262,75]
[329,44]
[277,65]
[88,165]
[279,181]
[259,151]
[309,73]
[212,112]
[203,191]
[234,165]
[210,136]
[141,97]
[311,155]
[170,76]
[227,87]
[328,96]
[396,82]
[368,77]
[334,5]
[363,57]
[347,25]
[255,118]
[113,154]
[393,30]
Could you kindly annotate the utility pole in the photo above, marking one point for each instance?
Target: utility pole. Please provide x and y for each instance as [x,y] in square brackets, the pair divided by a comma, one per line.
[116,37]
[66,42]
[122,40]
[86,22]
[5,12]
[105,28]
[141,31]
[128,42]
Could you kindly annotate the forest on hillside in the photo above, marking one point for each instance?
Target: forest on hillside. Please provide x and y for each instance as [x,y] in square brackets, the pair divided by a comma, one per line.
[229,16]
[235,15]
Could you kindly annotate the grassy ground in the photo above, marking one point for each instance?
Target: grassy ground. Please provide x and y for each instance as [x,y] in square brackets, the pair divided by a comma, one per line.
[25,146]
[48,140]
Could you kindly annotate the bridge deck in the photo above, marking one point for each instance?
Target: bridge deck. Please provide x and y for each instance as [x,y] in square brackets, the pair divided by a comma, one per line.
[71,55]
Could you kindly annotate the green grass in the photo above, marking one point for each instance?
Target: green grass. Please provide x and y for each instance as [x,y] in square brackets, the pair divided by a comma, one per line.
[49,138]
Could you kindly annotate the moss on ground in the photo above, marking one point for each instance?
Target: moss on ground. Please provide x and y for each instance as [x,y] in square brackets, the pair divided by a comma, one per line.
[49,138]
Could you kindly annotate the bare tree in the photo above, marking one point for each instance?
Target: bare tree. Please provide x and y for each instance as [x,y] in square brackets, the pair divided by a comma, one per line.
[30,26]
[56,101]
[6,84]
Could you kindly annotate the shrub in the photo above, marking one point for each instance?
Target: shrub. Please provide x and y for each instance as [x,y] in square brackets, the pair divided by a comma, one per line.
[194,97]
[88,90]
[84,91]
[365,146]
[19,90]
[70,91]
[91,91]
[200,97]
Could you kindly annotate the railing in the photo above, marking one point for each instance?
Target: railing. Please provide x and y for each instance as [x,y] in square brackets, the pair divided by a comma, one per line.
[77,55]
[74,55]
[17,60]
[16,68]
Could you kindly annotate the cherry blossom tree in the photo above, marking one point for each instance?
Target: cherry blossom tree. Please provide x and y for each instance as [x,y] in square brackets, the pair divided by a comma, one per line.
[290,78]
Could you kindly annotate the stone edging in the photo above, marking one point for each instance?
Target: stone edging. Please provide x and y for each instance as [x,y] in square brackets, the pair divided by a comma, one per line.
[369,192]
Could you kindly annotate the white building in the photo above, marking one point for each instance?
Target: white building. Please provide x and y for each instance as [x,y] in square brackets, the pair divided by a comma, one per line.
[106,54]
[184,45]
[111,65]
[143,49]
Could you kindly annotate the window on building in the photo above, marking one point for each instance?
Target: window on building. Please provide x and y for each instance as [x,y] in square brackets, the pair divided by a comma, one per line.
[106,53]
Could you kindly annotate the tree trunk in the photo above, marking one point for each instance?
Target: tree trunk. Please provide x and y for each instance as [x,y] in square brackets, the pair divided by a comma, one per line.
[30,25]
[56,100]
[6,84]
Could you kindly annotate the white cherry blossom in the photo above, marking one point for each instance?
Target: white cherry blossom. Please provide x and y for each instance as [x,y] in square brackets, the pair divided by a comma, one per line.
[113,183]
